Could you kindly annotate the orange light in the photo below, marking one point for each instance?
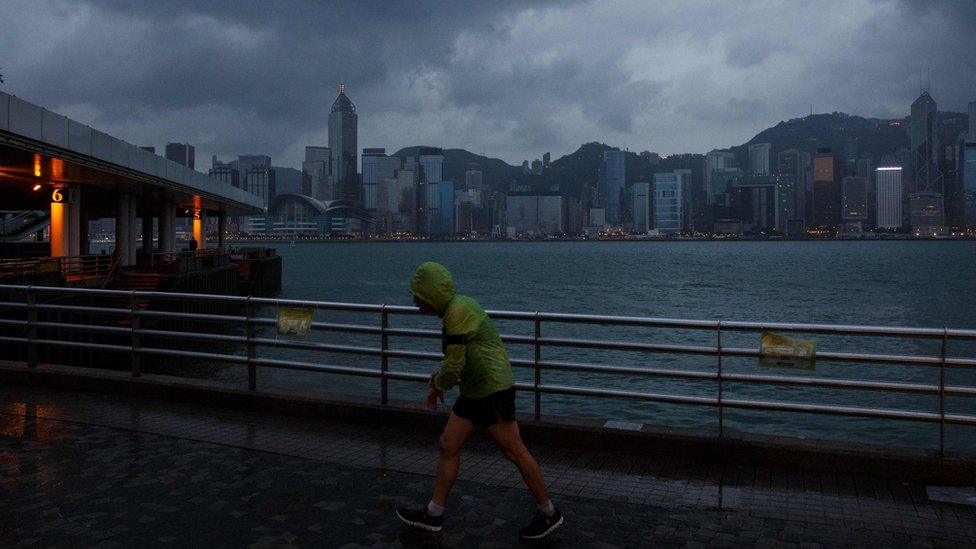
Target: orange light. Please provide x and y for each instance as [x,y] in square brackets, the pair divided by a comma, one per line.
[37,165]
[37,187]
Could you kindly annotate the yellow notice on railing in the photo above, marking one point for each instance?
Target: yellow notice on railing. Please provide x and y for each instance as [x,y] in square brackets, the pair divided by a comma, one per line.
[294,321]
[780,351]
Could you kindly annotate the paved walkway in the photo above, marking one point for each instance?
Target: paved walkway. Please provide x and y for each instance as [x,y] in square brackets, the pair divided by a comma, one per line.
[83,469]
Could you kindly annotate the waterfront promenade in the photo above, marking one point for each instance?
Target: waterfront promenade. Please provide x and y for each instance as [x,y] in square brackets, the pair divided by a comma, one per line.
[89,469]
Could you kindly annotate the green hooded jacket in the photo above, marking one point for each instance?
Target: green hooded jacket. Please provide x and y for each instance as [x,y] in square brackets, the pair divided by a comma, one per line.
[474,356]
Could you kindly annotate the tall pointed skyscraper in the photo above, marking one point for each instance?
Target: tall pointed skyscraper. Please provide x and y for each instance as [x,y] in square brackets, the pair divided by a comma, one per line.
[343,131]
[925,145]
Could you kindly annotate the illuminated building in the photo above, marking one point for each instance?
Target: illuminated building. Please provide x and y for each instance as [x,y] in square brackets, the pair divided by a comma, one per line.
[888,196]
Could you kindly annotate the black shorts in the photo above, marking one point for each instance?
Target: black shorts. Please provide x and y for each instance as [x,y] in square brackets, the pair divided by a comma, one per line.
[487,411]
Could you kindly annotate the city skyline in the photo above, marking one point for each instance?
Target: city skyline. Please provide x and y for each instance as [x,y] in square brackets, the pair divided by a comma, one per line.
[675,86]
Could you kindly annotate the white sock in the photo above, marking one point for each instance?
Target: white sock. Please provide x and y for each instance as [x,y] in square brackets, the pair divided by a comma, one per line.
[547,508]
[434,510]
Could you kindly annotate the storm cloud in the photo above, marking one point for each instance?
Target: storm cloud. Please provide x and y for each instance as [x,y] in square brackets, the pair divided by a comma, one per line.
[507,79]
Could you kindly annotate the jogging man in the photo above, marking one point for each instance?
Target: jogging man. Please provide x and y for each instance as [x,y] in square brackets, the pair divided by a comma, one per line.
[474,359]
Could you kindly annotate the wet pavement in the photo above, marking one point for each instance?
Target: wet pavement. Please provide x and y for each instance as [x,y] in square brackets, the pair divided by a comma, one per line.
[86,469]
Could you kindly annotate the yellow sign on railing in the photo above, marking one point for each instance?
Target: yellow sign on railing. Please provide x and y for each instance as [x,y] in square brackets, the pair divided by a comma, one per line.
[780,351]
[294,321]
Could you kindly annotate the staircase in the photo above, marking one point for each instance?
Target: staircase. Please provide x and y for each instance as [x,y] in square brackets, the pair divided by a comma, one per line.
[140,282]
[17,225]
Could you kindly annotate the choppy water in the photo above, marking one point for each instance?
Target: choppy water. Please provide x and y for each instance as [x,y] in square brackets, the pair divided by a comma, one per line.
[887,283]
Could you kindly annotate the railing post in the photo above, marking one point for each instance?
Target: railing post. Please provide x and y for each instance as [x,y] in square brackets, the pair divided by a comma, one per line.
[384,359]
[31,330]
[721,408]
[252,374]
[535,363]
[942,382]
[134,324]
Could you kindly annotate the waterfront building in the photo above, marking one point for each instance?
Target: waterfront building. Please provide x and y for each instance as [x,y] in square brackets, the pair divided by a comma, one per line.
[926,214]
[343,143]
[925,145]
[548,156]
[181,153]
[259,180]
[597,217]
[642,207]
[826,190]
[668,202]
[716,160]
[316,173]
[889,192]
[431,162]
[951,160]
[612,179]
[445,209]
[535,214]
[759,158]
[795,164]
[377,167]
[537,167]
[755,201]
[287,180]
[722,180]
[854,199]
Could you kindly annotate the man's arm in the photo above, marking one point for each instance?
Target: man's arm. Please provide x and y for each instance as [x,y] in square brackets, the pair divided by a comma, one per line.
[458,323]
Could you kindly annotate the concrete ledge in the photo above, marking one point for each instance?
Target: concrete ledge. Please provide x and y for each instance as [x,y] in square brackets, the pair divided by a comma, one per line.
[761,451]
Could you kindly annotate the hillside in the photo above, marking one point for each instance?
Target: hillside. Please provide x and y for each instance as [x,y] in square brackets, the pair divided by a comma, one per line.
[870,137]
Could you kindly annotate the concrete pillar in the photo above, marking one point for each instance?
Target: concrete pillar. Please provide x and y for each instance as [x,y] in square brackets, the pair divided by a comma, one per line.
[122,232]
[221,227]
[65,221]
[133,230]
[167,228]
[200,229]
[59,223]
[147,234]
[83,238]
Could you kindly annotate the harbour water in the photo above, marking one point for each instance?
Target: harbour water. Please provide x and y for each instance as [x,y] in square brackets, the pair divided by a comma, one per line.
[927,284]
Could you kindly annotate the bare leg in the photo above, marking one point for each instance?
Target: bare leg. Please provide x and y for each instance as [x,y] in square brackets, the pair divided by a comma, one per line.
[455,433]
[507,436]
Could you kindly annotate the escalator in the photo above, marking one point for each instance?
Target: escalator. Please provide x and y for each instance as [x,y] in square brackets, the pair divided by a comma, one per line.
[19,225]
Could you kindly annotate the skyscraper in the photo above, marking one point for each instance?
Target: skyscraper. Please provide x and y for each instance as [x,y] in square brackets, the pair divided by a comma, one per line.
[343,141]
[925,145]
[759,158]
[316,173]
[889,196]
[968,174]
[181,153]
[794,163]
[613,177]
[826,190]
[854,196]
[971,134]
[431,161]
[642,206]
[668,202]
[716,160]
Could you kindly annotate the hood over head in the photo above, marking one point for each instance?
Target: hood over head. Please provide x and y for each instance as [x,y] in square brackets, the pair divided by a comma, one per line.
[433,284]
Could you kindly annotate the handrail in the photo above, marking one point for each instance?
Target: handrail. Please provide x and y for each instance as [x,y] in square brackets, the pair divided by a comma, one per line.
[245,317]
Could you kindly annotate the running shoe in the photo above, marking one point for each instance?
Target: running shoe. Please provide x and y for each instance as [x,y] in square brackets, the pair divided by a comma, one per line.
[418,518]
[542,525]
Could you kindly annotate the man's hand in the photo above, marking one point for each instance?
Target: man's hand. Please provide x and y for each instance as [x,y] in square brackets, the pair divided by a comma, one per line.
[433,395]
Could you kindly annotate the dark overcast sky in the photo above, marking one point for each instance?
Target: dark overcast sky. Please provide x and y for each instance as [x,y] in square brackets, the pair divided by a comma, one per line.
[506,78]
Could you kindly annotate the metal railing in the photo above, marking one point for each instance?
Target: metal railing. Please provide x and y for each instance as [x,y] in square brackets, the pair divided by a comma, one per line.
[248,322]
[165,258]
